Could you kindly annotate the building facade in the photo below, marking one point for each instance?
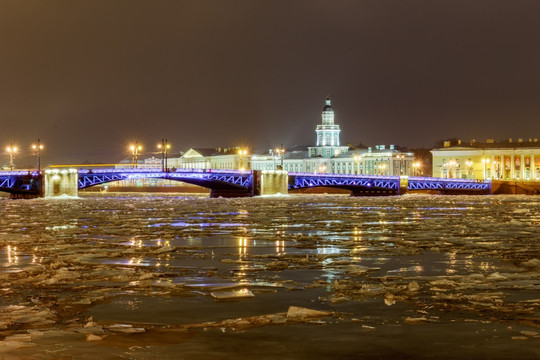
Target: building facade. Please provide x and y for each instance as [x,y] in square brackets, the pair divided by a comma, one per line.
[329,157]
[506,160]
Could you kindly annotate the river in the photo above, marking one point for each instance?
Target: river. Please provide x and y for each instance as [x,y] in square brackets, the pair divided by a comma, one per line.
[172,276]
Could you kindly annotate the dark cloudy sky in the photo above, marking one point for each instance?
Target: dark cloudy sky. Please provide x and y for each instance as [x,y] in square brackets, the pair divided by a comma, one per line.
[87,77]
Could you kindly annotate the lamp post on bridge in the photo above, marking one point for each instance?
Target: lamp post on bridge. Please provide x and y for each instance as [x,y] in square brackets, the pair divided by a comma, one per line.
[452,164]
[280,151]
[135,154]
[357,160]
[400,158]
[242,153]
[11,150]
[38,147]
[416,166]
[484,162]
[164,147]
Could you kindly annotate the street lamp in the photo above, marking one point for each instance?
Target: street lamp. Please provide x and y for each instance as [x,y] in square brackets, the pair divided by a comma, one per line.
[357,160]
[280,151]
[451,164]
[484,162]
[164,147]
[382,168]
[400,157]
[38,147]
[242,153]
[416,166]
[135,153]
[468,165]
[11,150]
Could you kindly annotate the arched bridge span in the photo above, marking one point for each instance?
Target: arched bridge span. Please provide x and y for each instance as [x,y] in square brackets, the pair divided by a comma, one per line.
[230,183]
[358,184]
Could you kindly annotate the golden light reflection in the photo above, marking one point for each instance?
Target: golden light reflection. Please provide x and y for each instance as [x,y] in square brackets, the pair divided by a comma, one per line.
[135,261]
[357,237]
[357,234]
[13,257]
[242,246]
[280,247]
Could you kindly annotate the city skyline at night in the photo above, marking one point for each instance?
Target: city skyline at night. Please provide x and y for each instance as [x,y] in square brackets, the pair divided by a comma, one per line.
[90,78]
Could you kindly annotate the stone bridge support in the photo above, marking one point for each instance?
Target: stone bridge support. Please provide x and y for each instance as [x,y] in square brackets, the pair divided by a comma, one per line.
[61,182]
[273,182]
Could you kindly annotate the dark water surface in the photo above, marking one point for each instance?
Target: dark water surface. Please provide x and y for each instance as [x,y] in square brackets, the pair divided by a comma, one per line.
[143,276]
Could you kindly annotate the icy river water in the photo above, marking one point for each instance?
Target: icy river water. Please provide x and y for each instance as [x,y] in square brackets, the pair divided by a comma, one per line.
[154,276]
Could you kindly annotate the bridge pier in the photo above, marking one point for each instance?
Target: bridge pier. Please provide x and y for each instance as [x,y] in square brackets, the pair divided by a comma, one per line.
[273,182]
[61,182]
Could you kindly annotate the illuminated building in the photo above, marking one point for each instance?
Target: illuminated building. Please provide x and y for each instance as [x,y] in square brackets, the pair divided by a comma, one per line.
[327,136]
[507,160]
[327,156]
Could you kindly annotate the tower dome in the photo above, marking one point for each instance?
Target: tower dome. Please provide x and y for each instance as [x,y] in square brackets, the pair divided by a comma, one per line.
[328,106]
[328,113]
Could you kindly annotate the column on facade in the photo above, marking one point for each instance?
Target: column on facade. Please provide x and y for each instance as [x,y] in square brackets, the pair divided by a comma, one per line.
[512,167]
[532,171]
[522,168]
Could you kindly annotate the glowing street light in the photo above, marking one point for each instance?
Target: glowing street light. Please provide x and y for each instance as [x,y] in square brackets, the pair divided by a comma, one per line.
[400,157]
[416,165]
[242,152]
[451,164]
[280,151]
[135,148]
[11,150]
[484,162]
[164,147]
[468,165]
[381,169]
[357,160]
[38,147]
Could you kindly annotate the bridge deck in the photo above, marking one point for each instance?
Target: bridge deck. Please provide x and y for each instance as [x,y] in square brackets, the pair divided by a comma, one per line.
[243,180]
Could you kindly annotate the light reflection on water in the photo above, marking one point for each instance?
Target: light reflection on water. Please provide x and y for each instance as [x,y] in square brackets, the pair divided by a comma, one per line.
[167,241]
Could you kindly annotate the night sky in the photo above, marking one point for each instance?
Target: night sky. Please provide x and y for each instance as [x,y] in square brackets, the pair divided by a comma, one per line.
[89,77]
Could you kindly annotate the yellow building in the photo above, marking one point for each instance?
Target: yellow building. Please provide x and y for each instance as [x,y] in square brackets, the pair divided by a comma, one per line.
[508,160]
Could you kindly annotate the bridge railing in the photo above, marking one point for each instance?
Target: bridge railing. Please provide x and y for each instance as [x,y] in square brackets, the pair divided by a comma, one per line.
[20,173]
[351,176]
[425,178]
[159,171]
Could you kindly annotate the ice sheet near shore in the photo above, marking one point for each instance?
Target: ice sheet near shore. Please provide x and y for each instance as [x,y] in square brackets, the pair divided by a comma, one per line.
[121,269]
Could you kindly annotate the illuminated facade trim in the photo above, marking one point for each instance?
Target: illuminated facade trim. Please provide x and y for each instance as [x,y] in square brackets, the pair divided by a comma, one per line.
[489,163]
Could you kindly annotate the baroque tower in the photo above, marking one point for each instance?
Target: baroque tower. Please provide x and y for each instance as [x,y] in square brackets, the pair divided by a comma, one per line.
[327,135]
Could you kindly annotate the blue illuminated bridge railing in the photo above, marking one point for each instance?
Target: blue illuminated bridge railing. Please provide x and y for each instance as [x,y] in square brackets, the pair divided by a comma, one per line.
[427,183]
[394,184]
[19,181]
[235,178]
[28,182]
[307,180]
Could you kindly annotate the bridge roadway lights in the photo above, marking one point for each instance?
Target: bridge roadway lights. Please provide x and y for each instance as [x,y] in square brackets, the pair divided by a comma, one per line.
[61,182]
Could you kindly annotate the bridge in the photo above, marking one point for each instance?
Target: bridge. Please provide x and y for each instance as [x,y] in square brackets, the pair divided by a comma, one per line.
[232,183]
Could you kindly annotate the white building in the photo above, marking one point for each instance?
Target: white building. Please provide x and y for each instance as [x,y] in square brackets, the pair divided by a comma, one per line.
[327,136]
[329,157]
